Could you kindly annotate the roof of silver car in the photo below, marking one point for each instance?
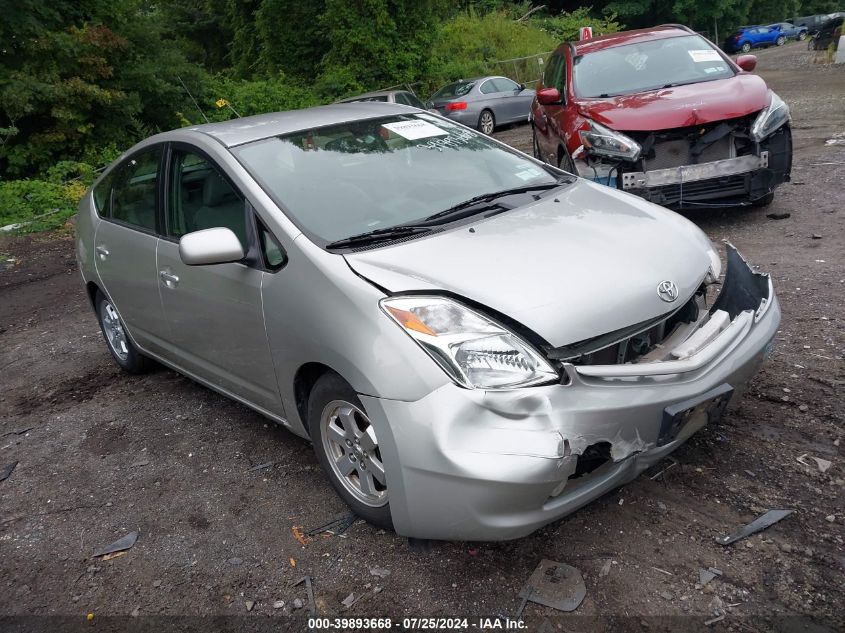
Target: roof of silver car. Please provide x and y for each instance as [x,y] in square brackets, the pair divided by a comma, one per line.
[253,128]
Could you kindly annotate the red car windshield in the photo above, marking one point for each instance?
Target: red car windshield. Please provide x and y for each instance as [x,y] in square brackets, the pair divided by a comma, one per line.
[643,66]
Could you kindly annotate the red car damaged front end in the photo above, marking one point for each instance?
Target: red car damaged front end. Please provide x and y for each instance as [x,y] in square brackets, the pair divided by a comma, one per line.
[662,114]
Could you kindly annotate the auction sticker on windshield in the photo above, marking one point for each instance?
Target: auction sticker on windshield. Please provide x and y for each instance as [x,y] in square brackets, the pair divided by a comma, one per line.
[414,130]
[704,56]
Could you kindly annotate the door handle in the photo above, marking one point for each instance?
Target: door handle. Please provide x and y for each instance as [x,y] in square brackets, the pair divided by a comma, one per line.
[102,251]
[170,280]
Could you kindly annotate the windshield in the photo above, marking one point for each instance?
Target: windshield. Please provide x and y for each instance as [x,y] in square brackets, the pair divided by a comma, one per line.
[343,180]
[457,89]
[648,66]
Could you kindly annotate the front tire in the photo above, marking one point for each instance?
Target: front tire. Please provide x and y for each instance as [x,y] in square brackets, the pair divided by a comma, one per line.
[780,41]
[121,347]
[802,35]
[746,47]
[565,162]
[486,122]
[347,449]
[536,145]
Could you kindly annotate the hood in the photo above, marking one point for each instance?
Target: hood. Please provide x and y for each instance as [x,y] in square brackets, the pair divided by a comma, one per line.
[569,267]
[683,106]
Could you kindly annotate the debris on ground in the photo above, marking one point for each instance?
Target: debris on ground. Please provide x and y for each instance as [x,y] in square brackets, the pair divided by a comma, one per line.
[378,571]
[249,604]
[761,523]
[7,471]
[19,431]
[279,604]
[554,585]
[822,464]
[717,608]
[297,603]
[312,605]
[830,518]
[605,569]
[261,466]
[349,601]
[778,216]
[706,575]
[299,536]
[337,526]
[120,545]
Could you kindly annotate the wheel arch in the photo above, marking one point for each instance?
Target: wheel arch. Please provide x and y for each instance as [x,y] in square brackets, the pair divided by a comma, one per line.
[303,383]
[91,289]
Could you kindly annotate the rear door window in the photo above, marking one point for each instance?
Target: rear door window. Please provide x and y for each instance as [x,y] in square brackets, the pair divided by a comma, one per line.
[505,85]
[488,87]
[135,192]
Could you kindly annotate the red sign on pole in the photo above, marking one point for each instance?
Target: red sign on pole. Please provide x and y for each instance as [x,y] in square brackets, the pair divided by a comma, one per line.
[586,32]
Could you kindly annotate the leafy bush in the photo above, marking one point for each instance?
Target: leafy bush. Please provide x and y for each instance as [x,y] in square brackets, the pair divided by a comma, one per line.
[29,200]
[248,97]
[565,27]
[467,45]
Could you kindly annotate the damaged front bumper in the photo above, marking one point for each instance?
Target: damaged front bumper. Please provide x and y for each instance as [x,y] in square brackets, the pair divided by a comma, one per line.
[497,465]
[734,180]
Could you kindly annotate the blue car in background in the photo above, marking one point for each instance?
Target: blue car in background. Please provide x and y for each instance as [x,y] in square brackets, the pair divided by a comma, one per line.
[747,37]
[790,31]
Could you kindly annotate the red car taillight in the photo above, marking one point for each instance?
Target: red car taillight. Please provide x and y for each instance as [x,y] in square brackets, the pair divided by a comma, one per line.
[456,105]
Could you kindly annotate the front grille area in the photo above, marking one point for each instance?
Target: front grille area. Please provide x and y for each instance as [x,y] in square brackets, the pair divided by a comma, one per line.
[677,152]
[629,344]
[727,187]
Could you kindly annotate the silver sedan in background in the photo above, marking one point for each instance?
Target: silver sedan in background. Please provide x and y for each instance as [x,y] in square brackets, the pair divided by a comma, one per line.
[484,103]
[476,343]
[403,97]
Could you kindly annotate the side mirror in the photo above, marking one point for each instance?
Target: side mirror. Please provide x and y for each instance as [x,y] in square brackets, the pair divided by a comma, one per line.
[210,246]
[548,96]
[521,87]
[747,62]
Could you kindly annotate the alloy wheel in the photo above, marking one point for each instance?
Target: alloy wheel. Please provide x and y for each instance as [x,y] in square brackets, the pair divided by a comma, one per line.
[487,123]
[353,452]
[746,47]
[113,328]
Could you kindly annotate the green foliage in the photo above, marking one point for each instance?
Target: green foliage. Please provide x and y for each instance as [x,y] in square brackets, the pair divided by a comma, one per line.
[252,97]
[375,43]
[565,27]
[467,45]
[290,35]
[44,204]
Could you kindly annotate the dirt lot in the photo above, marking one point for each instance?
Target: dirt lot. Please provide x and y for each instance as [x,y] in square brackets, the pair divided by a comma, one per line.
[102,454]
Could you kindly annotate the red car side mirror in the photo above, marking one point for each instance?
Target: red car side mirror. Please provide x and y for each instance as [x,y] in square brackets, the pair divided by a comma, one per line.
[747,62]
[548,96]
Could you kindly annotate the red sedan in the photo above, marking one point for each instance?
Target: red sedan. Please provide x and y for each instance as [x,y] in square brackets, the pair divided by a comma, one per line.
[664,114]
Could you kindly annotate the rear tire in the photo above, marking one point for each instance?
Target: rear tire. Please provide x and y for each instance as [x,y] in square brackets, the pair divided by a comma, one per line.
[486,122]
[780,41]
[347,449]
[746,47]
[121,347]
[802,35]
[536,146]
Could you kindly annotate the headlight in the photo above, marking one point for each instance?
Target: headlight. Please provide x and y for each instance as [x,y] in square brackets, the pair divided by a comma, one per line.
[770,118]
[476,352]
[607,142]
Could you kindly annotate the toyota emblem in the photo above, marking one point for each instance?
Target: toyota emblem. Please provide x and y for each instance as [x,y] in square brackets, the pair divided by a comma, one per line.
[667,290]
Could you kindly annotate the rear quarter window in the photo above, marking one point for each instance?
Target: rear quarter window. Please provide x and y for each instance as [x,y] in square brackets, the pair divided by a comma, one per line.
[102,195]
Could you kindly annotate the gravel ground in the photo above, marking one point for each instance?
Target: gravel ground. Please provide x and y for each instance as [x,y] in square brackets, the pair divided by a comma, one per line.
[102,454]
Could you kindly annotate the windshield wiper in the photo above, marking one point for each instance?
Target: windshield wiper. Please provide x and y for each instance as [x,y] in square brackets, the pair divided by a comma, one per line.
[479,202]
[379,235]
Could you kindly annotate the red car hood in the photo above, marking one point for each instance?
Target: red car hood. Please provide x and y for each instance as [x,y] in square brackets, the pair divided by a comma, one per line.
[682,106]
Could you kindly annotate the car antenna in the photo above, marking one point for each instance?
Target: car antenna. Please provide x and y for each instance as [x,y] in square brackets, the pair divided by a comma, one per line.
[192,98]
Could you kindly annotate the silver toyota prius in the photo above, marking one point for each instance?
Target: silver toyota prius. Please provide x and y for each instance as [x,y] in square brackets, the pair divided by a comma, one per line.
[476,343]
